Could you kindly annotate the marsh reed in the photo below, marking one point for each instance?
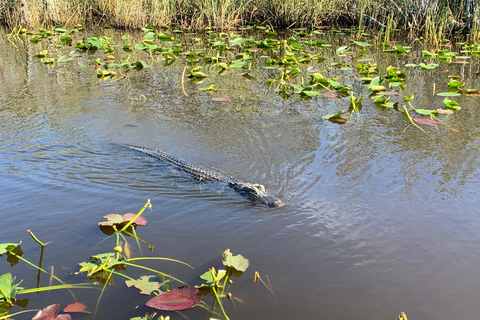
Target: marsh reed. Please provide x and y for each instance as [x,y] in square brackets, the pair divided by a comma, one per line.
[433,19]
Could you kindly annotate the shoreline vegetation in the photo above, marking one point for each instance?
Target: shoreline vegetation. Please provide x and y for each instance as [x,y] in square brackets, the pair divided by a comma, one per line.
[431,19]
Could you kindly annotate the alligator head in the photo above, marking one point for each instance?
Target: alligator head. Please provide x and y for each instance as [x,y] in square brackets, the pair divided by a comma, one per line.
[256,192]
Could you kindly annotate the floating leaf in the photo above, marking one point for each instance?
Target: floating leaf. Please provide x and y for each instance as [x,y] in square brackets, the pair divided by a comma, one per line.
[112,219]
[427,53]
[209,87]
[148,284]
[425,111]
[238,262]
[64,59]
[180,298]
[449,94]
[237,64]
[342,50]
[428,66]
[198,75]
[8,289]
[237,41]
[362,43]
[140,221]
[333,115]
[212,276]
[331,94]
[7,247]
[430,122]
[450,104]
[50,312]
[443,111]
[378,88]
[76,307]
[222,99]
[116,219]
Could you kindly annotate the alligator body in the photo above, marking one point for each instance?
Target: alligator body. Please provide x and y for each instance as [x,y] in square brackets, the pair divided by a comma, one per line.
[252,191]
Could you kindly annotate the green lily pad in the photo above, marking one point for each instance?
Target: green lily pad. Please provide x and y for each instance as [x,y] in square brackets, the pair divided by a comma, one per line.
[237,262]
[149,284]
[448,94]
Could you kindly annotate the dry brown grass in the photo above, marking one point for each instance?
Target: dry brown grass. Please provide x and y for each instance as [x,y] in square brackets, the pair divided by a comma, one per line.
[434,19]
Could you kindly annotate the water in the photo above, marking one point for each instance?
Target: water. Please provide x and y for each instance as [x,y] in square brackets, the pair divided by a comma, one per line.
[377,220]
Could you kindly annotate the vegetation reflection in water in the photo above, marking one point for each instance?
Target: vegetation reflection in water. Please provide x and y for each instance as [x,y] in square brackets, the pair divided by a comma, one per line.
[101,268]
[296,62]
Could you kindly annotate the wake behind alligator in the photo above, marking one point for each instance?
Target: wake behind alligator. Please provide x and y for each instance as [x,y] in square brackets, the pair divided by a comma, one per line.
[252,191]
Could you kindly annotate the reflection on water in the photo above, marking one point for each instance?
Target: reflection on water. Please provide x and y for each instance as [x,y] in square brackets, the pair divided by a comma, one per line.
[377,221]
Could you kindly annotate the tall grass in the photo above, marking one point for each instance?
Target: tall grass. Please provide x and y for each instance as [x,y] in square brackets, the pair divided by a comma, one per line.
[434,19]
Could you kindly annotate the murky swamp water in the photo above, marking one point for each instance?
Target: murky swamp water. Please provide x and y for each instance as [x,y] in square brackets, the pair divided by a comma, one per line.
[377,220]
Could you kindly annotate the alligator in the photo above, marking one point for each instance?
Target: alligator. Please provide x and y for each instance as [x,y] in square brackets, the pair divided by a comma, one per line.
[252,191]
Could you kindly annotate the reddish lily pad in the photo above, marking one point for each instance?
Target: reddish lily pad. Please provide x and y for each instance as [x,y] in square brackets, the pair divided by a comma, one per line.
[50,312]
[222,99]
[331,94]
[426,121]
[180,298]
[141,221]
[76,307]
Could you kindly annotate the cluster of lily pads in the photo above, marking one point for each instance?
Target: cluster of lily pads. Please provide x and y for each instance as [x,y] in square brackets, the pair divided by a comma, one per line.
[297,59]
[102,268]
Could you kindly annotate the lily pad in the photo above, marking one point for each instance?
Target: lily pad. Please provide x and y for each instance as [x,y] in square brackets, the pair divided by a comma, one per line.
[50,312]
[430,122]
[222,99]
[180,298]
[116,219]
[148,284]
[238,262]
[76,307]
[449,94]
[331,94]
[7,247]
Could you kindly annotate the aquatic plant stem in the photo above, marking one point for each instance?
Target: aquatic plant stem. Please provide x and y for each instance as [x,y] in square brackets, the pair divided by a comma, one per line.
[220,303]
[411,119]
[101,294]
[35,266]
[153,270]
[148,204]
[10,316]
[36,239]
[166,259]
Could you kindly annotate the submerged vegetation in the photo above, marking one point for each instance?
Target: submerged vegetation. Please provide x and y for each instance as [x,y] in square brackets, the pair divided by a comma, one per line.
[431,19]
